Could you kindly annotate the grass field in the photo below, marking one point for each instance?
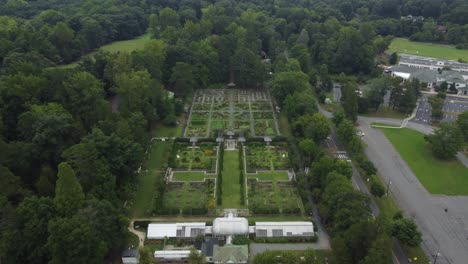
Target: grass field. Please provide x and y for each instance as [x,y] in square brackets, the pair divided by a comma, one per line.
[159,154]
[190,176]
[127,45]
[122,46]
[438,176]
[231,176]
[160,130]
[270,175]
[401,45]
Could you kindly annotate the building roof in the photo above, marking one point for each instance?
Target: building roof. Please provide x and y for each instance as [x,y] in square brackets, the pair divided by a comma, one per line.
[284,229]
[403,69]
[451,77]
[172,254]
[230,226]
[230,254]
[424,75]
[208,246]
[159,231]
[130,253]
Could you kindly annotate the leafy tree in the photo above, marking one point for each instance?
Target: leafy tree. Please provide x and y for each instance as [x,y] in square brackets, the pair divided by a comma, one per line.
[446,140]
[377,189]
[462,122]
[436,104]
[347,136]
[380,251]
[338,117]
[309,148]
[84,98]
[27,240]
[286,83]
[196,258]
[182,78]
[300,103]
[406,231]
[168,18]
[92,171]
[73,240]
[146,256]
[393,58]
[48,127]
[350,100]
[11,186]
[69,196]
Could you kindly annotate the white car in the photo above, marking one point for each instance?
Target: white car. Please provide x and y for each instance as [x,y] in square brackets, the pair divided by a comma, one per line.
[361,134]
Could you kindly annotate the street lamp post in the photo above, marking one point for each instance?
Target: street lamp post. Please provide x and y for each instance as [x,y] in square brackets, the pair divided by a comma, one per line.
[389,182]
[436,255]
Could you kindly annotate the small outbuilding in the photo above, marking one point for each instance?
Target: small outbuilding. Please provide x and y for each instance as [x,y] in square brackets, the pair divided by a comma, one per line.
[130,256]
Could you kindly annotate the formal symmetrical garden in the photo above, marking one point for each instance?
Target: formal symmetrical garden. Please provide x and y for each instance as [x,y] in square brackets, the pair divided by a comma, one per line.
[249,111]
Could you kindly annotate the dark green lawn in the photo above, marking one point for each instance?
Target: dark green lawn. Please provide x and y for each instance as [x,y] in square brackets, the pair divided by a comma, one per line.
[438,176]
[231,176]
[146,180]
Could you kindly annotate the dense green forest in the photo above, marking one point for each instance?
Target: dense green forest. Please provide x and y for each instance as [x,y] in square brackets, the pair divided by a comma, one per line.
[71,139]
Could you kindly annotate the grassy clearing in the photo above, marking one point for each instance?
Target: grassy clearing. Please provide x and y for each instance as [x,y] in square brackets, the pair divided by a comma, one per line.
[386,112]
[161,130]
[437,176]
[401,45]
[270,175]
[127,45]
[159,154]
[231,176]
[190,176]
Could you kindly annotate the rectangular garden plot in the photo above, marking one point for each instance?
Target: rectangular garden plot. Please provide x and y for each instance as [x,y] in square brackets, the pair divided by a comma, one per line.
[260,156]
[201,157]
[188,198]
[273,198]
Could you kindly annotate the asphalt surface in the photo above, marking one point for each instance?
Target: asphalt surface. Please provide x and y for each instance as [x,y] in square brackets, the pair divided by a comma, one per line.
[443,231]
[453,106]
[336,92]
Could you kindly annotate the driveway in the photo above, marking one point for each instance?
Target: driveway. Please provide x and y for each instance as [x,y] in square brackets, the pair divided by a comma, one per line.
[443,231]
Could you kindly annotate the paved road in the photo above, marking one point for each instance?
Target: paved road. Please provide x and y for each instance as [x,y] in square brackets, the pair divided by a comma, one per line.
[443,231]
[337,92]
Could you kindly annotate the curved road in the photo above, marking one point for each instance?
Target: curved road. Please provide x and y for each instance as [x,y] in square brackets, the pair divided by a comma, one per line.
[443,231]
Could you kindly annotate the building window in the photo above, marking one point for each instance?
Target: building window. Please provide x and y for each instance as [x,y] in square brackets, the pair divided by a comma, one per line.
[277,232]
[261,233]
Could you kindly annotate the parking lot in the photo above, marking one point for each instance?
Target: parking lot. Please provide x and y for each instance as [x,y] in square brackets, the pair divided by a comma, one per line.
[452,108]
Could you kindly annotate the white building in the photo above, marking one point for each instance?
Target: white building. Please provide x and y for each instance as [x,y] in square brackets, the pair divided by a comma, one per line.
[284,229]
[172,256]
[230,226]
[176,230]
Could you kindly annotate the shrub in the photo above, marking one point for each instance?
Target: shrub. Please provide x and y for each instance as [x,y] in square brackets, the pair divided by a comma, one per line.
[377,189]
[240,240]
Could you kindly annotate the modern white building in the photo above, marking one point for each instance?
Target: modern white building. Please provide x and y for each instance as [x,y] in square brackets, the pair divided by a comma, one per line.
[176,230]
[433,64]
[230,226]
[284,229]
